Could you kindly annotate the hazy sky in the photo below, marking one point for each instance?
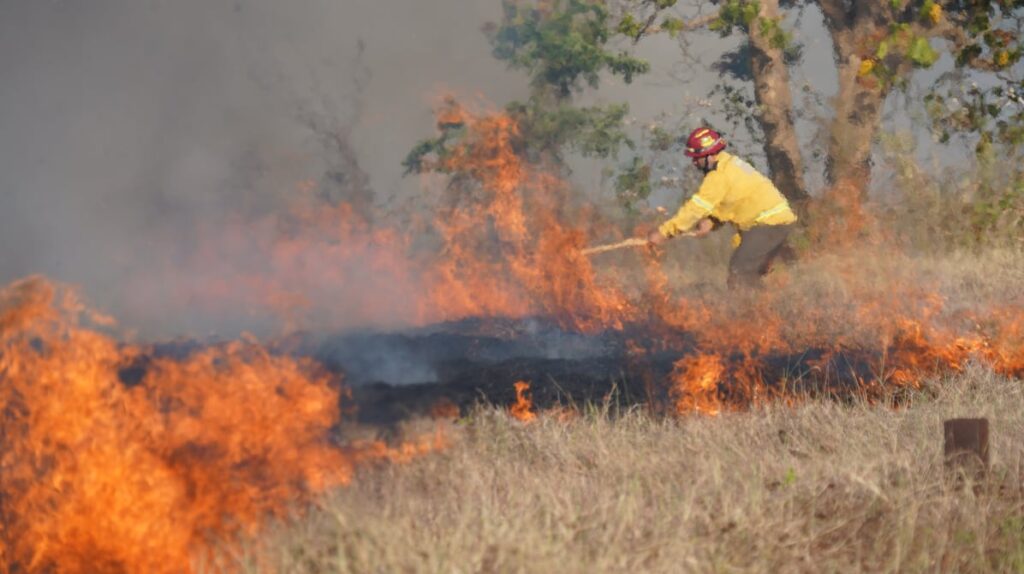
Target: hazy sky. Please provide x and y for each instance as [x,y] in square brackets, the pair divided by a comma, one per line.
[124,122]
[127,124]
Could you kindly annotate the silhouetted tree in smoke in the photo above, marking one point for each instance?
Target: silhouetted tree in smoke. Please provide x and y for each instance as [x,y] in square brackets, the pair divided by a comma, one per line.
[343,180]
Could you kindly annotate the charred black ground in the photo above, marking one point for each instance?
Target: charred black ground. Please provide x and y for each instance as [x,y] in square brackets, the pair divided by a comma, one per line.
[478,361]
[394,376]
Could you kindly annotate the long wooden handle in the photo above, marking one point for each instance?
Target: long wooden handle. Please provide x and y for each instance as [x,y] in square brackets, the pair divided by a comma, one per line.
[631,242]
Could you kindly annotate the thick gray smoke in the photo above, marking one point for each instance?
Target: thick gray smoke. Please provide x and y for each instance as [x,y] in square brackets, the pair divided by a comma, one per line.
[131,129]
[149,147]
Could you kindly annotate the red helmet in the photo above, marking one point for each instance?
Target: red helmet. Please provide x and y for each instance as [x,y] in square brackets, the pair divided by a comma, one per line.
[704,142]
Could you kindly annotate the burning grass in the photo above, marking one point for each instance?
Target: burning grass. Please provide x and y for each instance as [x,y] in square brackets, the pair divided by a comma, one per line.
[873,318]
[844,323]
[116,460]
[821,486]
[117,457]
[503,238]
[795,481]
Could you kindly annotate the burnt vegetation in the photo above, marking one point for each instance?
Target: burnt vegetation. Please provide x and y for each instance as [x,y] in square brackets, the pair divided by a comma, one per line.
[620,410]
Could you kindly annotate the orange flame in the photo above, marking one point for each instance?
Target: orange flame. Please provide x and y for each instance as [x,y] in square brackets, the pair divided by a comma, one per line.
[501,238]
[695,384]
[444,408]
[512,210]
[523,409]
[914,338]
[101,476]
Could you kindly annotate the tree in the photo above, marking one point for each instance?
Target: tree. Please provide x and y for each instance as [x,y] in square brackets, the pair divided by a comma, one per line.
[562,45]
[763,61]
[343,180]
[876,45]
[768,43]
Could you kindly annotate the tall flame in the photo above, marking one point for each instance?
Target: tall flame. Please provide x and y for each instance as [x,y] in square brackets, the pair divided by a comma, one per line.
[103,473]
[501,239]
[510,247]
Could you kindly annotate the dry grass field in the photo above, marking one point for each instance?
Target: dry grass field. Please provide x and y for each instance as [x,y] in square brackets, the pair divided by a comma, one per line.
[823,486]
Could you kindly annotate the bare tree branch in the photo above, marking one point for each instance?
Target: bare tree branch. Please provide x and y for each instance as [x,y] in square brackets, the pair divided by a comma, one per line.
[701,21]
[688,26]
[643,29]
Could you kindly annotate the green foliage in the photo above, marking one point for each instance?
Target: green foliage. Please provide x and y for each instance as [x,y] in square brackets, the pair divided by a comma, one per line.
[592,131]
[640,22]
[735,14]
[929,12]
[995,114]
[988,32]
[978,207]
[1011,531]
[427,154]
[921,52]
[543,132]
[743,15]
[997,207]
[655,163]
[740,109]
[633,185]
[562,44]
[988,207]
[883,50]
[901,48]
[630,26]
[997,213]
[414,161]
[778,38]
[673,26]
[661,139]
[992,32]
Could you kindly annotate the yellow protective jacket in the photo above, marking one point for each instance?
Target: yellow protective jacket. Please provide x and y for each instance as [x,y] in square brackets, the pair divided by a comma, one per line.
[734,192]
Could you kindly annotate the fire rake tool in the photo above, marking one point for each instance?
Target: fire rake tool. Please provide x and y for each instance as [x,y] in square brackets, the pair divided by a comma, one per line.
[631,242]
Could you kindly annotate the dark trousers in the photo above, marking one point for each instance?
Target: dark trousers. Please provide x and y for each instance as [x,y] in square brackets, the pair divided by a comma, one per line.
[753,258]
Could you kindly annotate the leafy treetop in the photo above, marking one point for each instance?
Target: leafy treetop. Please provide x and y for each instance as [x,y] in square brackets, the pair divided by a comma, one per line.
[564,46]
[561,44]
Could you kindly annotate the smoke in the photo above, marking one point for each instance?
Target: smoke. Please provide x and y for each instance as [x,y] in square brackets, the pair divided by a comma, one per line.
[153,153]
[132,134]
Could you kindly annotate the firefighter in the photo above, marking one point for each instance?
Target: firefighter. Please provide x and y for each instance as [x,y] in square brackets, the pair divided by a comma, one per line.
[733,192]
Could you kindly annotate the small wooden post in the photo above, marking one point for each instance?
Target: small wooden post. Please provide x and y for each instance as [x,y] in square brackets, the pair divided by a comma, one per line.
[966,446]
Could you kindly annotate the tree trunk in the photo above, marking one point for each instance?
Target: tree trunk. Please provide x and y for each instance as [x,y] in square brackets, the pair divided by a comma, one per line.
[856,32]
[775,103]
[858,109]
[856,29]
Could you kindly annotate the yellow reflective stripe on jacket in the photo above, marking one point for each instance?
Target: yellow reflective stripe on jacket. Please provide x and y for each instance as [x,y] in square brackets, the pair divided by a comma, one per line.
[702,202]
[780,208]
[734,192]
